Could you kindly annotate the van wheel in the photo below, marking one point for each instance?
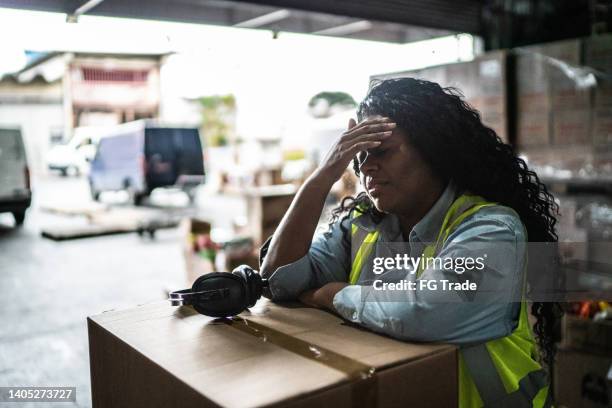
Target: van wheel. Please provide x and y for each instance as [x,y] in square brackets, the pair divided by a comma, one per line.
[95,194]
[72,171]
[19,217]
[139,198]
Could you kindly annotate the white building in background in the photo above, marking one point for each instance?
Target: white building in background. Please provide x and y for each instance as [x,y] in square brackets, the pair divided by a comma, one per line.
[59,91]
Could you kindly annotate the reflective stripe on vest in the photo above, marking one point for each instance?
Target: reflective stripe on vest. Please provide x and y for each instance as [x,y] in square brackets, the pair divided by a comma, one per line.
[499,373]
[492,391]
[362,243]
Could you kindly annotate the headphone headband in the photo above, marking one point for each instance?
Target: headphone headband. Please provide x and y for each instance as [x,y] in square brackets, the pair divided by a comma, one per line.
[188,297]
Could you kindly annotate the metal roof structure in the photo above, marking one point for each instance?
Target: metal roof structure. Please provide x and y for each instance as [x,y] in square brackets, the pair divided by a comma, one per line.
[399,21]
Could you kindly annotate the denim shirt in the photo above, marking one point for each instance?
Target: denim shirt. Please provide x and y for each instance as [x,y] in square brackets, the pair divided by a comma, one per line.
[423,314]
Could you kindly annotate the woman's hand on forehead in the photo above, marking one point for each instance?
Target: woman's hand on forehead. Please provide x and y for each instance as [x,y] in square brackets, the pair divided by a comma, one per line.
[374,119]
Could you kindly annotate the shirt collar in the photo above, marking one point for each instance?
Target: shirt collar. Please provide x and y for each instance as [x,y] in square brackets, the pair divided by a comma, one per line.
[425,230]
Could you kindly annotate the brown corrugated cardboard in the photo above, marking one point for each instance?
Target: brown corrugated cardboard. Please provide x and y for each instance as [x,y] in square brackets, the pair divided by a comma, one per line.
[266,207]
[580,380]
[598,53]
[598,57]
[602,126]
[160,356]
[552,107]
[585,334]
[602,113]
[571,127]
[533,128]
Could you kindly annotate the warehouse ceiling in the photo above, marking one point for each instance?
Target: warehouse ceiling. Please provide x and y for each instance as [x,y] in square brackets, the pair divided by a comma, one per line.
[399,21]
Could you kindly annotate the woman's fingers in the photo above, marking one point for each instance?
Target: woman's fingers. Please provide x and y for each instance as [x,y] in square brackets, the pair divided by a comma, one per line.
[372,136]
[362,146]
[369,129]
[374,120]
[368,137]
[352,123]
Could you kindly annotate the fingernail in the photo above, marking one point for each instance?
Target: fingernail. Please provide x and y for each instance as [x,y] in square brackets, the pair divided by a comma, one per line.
[391,125]
[387,134]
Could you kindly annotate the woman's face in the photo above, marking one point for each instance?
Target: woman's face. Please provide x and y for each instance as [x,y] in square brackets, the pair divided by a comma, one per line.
[395,176]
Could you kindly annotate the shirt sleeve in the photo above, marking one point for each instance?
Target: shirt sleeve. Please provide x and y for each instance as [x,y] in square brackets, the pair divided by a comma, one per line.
[327,260]
[452,316]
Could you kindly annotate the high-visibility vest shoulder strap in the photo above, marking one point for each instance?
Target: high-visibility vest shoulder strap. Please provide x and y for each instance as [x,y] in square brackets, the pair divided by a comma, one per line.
[362,245]
[463,207]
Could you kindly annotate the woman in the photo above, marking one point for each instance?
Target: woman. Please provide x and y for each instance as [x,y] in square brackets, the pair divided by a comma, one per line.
[439,184]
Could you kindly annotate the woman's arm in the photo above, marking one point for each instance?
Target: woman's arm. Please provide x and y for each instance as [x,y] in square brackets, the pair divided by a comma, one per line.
[293,237]
[454,316]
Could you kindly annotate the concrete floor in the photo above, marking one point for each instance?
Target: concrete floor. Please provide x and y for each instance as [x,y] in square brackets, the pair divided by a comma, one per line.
[48,288]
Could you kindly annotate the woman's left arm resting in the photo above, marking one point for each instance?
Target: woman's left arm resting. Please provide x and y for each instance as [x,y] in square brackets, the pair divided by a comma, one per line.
[448,315]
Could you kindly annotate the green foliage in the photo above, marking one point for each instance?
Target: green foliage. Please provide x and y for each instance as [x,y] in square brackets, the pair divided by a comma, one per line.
[333,98]
[291,155]
[217,118]
[218,101]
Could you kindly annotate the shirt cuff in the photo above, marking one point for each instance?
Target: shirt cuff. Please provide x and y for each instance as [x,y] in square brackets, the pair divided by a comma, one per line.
[289,281]
[349,303]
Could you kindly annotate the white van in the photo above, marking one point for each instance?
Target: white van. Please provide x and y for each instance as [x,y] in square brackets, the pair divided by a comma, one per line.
[73,157]
[15,192]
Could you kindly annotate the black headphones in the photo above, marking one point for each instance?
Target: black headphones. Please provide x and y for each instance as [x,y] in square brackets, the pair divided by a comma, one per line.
[222,294]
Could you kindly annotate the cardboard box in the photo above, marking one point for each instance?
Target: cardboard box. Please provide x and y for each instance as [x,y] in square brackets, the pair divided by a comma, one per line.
[598,53]
[571,127]
[482,82]
[159,356]
[533,128]
[587,335]
[602,127]
[602,114]
[581,380]
[598,57]
[266,207]
[531,70]
[552,107]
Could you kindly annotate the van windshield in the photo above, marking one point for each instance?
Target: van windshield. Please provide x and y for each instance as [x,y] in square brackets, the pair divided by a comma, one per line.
[170,153]
[178,145]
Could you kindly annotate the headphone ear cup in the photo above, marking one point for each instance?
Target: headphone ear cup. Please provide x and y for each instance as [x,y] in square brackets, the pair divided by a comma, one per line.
[253,283]
[230,297]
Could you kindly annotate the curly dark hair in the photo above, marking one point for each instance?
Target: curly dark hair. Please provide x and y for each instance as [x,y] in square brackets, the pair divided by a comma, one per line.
[450,136]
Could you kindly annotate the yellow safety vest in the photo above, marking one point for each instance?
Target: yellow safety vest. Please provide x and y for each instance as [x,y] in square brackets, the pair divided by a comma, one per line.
[499,373]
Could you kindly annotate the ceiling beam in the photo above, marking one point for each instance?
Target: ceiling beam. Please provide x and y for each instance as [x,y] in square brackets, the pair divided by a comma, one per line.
[84,8]
[453,15]
[346,29]
[266,19]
